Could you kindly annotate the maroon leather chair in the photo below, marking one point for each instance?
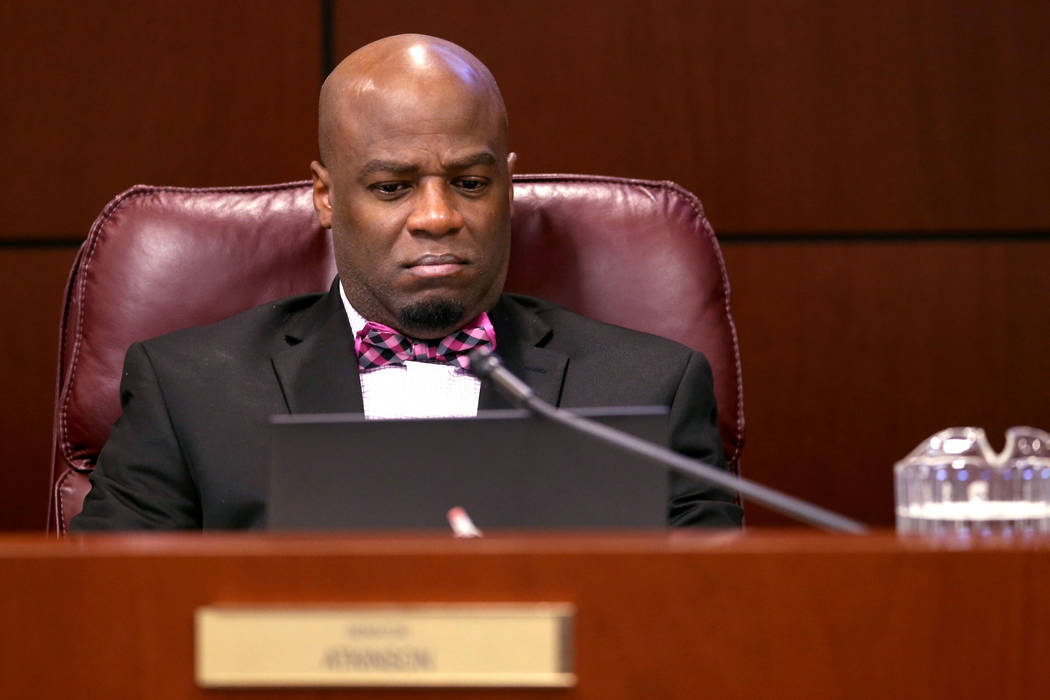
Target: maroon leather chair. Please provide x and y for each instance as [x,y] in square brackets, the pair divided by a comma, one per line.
[632,252]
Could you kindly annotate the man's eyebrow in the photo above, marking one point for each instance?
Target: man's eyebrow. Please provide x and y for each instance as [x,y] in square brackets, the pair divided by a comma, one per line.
[397,167]
[388,166]
[482,158]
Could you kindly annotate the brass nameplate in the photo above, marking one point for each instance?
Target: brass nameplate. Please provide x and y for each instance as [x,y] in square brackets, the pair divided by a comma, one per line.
[480,645]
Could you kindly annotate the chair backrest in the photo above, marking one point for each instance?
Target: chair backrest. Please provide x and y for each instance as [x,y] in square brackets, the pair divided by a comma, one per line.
[632,252]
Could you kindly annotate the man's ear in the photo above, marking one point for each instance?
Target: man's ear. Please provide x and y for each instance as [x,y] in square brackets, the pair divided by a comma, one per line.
[322,194]
[512,161]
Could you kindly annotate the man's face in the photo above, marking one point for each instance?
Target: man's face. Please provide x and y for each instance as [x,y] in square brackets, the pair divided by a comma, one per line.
[418,195]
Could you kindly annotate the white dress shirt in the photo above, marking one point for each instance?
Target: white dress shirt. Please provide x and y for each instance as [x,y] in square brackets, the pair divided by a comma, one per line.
[414,389]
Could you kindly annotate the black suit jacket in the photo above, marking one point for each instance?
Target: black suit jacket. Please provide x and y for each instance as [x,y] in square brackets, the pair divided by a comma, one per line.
[189,450]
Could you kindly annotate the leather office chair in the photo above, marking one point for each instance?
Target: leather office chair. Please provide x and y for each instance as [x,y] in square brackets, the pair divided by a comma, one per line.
[632,252]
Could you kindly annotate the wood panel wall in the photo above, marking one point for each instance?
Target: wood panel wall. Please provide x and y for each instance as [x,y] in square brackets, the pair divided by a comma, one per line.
[784,115]
[854,351]
[878,173]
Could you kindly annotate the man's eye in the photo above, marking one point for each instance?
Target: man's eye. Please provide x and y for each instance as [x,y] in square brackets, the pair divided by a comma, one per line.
[388,189]
[471,184]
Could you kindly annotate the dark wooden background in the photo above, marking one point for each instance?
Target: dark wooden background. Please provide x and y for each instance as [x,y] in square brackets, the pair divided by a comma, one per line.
[878,172]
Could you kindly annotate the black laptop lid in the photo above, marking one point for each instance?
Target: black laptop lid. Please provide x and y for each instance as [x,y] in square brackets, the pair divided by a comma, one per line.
[508,469]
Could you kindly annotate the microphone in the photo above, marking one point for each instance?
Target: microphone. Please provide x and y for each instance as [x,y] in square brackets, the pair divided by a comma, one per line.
[488,367]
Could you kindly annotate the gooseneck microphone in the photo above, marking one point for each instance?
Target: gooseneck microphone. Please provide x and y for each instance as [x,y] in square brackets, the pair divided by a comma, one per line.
[487,366]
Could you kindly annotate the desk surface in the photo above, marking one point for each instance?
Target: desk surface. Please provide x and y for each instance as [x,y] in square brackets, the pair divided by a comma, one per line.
[731,615]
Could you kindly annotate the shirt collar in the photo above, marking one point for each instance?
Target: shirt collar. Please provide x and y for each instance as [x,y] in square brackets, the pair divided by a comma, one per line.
[357,321]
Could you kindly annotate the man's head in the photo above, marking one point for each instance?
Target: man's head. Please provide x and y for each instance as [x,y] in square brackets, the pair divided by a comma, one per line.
[415,183]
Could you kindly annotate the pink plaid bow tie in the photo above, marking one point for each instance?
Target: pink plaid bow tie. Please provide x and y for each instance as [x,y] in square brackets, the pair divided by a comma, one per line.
[378,345]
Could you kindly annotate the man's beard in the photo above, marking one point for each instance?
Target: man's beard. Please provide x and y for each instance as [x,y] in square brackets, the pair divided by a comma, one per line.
[431,316]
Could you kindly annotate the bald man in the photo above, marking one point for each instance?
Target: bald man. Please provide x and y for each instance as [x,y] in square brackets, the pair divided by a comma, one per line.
[415,182]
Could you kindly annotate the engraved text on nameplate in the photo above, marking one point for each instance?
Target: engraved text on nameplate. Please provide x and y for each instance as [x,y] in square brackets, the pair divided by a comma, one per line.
[481,645]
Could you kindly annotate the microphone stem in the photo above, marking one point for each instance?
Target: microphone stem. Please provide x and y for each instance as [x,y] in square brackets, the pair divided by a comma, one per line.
[770,498]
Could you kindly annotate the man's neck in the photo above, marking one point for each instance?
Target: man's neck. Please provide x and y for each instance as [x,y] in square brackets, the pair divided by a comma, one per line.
[357,321]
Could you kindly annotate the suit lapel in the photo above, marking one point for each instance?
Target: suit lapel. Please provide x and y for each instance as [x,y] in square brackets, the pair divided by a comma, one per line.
[520,335]
[316,367]
[317,371]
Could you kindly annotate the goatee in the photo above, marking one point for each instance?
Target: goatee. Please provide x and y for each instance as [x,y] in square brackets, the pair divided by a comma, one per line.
[433,315]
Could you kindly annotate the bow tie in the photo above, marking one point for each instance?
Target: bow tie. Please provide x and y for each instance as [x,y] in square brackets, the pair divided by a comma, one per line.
[378,345]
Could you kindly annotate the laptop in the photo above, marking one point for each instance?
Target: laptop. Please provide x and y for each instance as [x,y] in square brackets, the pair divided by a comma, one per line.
[508,469]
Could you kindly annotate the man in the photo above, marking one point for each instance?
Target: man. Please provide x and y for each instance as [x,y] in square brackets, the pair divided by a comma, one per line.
[415,182]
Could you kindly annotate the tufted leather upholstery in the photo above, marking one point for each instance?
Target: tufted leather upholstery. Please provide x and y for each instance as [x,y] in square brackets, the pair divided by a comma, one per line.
[632,252]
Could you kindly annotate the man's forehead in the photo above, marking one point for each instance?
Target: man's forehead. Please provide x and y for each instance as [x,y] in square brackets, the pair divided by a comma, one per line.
[416,100]
[392,126]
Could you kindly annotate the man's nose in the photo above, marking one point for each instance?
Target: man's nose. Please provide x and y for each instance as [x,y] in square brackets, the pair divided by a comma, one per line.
[435,211]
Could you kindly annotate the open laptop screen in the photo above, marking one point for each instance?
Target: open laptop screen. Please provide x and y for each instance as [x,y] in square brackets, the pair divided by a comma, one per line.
[508,469]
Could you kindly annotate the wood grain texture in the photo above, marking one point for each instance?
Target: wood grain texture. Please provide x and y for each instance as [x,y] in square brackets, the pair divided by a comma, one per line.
[783,116]
[99,97]
[853,353]
[724,616]
[31,284]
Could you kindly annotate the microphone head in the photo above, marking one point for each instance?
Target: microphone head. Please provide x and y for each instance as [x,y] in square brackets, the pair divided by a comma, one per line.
[483,362]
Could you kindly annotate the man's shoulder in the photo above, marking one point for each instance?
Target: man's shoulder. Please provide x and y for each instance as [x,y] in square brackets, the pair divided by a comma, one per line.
[572,328]
[256,327]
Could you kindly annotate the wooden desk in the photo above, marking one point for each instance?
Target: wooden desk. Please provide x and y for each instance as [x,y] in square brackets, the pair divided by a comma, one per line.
[757,615]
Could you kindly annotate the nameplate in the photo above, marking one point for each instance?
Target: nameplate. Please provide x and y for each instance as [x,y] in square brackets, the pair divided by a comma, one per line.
[462,645]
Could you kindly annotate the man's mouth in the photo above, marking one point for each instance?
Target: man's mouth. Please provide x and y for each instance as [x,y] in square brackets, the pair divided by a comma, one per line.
[434,265]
